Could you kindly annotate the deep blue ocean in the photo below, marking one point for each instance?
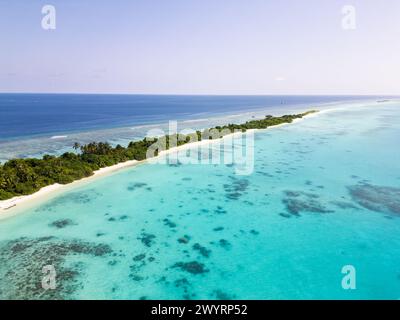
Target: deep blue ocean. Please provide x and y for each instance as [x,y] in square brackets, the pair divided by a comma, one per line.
[32,115]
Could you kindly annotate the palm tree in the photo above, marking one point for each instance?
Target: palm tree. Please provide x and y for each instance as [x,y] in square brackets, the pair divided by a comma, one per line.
[3,182]
[76,146]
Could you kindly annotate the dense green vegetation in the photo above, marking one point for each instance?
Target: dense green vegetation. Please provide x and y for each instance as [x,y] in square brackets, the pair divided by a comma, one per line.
[26,176]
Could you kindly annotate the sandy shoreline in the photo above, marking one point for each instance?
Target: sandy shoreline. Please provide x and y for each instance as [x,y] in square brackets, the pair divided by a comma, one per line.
[10,206]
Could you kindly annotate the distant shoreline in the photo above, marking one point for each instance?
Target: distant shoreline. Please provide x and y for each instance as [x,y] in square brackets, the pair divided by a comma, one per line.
[12,206]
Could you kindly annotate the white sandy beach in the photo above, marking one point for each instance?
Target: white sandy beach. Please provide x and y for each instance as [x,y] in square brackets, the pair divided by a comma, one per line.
[8,207]
[55,189]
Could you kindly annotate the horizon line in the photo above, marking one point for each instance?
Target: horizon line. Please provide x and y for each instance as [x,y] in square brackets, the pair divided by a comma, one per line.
[205,94]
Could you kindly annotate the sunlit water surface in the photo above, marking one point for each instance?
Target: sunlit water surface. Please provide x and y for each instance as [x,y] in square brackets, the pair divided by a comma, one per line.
[324,193]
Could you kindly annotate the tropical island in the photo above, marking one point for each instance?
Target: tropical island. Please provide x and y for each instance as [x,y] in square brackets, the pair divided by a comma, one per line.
[20,177]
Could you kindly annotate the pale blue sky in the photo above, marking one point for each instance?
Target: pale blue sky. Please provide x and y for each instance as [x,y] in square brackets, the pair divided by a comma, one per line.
[201,47]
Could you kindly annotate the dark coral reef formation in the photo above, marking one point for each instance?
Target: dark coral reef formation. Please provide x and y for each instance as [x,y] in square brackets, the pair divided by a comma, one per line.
[377,198]
[22,261]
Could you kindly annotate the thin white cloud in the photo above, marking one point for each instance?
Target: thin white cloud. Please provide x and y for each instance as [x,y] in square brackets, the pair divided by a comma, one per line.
[280,79]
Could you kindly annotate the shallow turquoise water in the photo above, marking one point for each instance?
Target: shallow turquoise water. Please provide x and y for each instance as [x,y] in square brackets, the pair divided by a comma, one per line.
[325,193]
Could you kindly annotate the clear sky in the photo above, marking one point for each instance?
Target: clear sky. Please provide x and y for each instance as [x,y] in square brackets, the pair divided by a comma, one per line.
[201,47]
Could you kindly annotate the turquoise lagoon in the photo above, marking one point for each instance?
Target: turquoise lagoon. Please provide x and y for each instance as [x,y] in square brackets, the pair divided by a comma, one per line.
[324,193]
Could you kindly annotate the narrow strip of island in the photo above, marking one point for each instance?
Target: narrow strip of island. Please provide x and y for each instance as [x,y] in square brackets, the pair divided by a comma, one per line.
[20,177]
